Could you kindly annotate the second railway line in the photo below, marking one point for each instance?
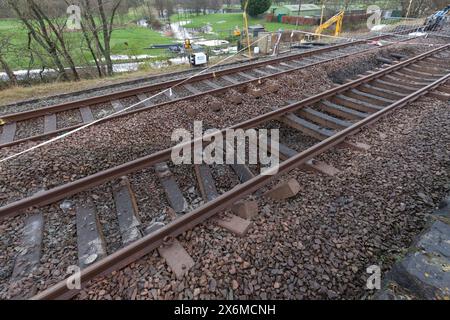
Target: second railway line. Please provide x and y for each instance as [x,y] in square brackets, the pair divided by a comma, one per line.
[329,117]
[52,120]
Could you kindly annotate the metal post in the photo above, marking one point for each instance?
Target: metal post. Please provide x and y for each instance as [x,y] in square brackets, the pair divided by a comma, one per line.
[321,15]
[246,29]
[296,24]
[298,13]
[409,8]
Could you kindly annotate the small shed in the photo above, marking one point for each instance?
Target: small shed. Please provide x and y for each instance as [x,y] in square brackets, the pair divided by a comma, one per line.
[306,10]
[256,29]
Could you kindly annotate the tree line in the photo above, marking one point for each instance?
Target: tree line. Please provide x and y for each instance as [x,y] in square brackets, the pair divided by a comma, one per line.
[49,42]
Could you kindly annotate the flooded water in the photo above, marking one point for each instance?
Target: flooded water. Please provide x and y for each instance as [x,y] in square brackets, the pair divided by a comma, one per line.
[117,68]
[179,33]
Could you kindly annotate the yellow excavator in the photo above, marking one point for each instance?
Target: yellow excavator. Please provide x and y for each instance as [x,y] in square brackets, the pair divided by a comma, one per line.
[338,19]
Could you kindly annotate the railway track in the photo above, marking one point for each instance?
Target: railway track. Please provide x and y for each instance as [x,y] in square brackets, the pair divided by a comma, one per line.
[330,118]
[52,120]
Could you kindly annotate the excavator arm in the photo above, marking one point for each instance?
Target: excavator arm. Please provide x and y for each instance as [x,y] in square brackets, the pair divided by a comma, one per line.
[338,18]
[436,20]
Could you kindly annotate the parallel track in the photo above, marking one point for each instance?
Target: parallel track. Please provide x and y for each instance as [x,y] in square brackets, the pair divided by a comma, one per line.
[330,117]
[46,118]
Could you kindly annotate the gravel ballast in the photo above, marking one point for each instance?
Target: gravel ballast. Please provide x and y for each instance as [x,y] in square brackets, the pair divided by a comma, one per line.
[124,139]
[318,244]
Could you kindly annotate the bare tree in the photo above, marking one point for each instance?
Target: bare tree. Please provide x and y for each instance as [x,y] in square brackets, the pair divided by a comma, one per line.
[5,46]
[46,32]
[101,31]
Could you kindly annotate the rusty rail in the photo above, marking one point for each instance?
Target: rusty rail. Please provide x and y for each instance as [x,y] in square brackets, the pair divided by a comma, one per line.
[96,179]
[20,116]
[150,242]
[40,112]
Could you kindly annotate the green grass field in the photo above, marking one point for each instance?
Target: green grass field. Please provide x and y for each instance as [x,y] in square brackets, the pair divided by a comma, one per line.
[129,39]
[224,23]
[136,38]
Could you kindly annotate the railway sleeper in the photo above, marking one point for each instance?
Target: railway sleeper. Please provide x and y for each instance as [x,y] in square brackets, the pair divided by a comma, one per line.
[300,63]
[191,88]
[127,211]
[173,193]
[349,102]
[327,55]
[412,72]
[50,123]
[439,95]
[170,94]
[341,111]
[312,165]
[8,133]
[86,114]
[306,127]
[117,105]
[323,119]
[409,82]
[430,69]
[435,61]
[284,190]
[274,68]
[398,74]
[287,65]
[230,79]
[368,73]
[243,172]
[261,72]
[444,88]
[246,76]
[239,224]
[370,98]
[311,60]
[211,84]
[144,97]
[392,86]
[317,132]
[90,240]
[28,259]
[176,257]
[389,94]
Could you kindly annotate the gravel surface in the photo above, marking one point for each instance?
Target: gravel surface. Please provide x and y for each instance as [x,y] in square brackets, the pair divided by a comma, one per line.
[318,244]
[27,128]
[130,101]
[116,142]
[102,110]
[68,118]
[132,84]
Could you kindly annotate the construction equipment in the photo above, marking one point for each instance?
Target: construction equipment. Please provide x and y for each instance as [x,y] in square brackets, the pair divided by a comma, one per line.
[237,32]
[436,21]
[198,59]
[338,19]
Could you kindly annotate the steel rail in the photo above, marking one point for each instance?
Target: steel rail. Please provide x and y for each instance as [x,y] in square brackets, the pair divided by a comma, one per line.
[71,188]
[169,74]
[209,92]
[145,245]
[20,116]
